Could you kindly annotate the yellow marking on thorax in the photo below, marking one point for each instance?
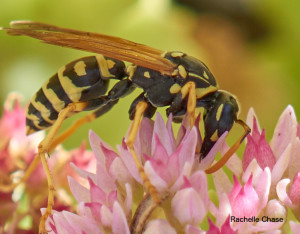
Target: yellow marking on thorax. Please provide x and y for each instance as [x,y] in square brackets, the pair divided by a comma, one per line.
[182,71]
[175,88]
[130,70]
[147,74]
[42,109]
[57,104]
[110,63]
[201,92]
[73,92]
[177,54]
[205,75]
[219,112]
[214,136]
[199,77]
[79,68]
[103,66]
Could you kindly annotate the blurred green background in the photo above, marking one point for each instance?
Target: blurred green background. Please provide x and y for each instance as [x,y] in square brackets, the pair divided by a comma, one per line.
[252,48]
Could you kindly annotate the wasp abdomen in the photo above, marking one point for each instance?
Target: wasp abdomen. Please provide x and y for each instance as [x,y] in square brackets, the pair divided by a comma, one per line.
[81,80]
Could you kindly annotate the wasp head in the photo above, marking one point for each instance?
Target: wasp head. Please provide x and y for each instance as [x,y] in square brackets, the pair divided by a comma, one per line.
[221,110]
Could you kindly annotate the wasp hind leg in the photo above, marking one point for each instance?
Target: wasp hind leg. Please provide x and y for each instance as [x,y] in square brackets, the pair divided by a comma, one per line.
[58,140]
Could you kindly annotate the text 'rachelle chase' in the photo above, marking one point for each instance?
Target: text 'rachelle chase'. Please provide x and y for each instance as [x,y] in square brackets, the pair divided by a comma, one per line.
[255,219]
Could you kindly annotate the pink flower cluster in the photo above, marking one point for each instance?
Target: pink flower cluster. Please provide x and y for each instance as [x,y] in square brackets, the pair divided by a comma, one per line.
[256,201]
[252,195]
[20,208]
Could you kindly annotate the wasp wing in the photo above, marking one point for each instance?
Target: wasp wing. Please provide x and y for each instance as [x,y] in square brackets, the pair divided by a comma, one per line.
[109,46]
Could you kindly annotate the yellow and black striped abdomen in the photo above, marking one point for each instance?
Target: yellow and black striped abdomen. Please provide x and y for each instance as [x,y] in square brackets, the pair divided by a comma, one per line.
[81,80]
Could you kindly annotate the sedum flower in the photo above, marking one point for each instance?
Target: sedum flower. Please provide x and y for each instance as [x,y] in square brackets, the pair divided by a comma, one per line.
[109,194]
[17,151]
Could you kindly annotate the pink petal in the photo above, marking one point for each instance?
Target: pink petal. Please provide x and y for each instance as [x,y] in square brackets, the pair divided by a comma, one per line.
[234,163]
[104,180]
[112,197]
[294,164]
[97,194]
[169,126]
[158,182]
[270,227]
[187,148]
[128,199]
[95,143]
[245,202]
[210,157]
[222,182]
[110,155]
[83,173]
[80,193]
[188,207]
[159,153]
[226,228]
[77,224]
[276,209]
[236,189]
[95,210]
[120,173]
[262,188]
[281,165]
[295,227]
[223,211]
[159,226]
[199,182]
[281,189]
[253,170]
[294,191]
[129,163]
[189,229]
[106,216]
[250,119]
[143,140]
[257,147]
[213,229]
[162,132]
[186,171]
[285,131]
[119,221]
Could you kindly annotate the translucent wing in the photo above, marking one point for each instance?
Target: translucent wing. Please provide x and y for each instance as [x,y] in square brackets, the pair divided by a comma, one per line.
[110,46]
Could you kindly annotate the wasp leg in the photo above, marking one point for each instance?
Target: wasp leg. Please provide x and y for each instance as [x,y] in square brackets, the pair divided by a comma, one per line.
[232,149]
[190,89]
[79,122]
[179,105]
[43,149]
[139,108]
[6,188]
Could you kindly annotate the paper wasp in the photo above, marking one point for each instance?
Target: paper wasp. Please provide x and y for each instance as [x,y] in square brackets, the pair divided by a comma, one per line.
[173,79]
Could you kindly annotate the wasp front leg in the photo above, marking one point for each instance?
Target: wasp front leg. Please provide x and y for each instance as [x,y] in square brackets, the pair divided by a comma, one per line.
[139,108]
[180,105]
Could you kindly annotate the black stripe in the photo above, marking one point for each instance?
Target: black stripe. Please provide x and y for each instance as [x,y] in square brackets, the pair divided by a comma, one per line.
[41,122]
[92,72]
[41,97]
[55,85]
[31,125]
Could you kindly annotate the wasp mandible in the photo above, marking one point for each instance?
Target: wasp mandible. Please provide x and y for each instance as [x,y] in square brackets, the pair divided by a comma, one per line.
[173,79]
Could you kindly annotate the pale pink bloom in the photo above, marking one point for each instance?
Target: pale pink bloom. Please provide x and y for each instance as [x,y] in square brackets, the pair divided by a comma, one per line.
[168,163]
[16,149]
[285,146]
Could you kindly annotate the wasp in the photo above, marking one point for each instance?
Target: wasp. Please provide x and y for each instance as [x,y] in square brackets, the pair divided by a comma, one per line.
[173,79]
